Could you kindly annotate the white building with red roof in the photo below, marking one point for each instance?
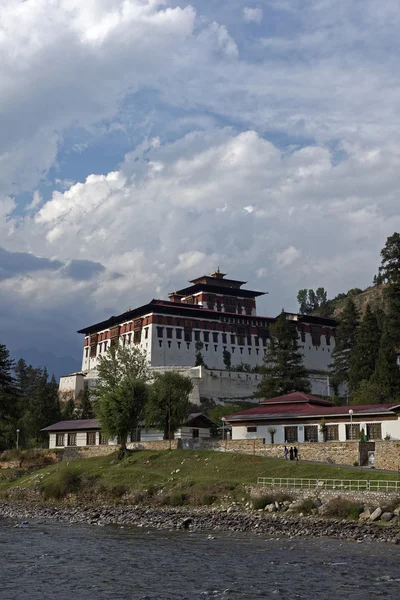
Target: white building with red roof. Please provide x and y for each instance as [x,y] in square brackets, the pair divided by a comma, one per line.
[297,418]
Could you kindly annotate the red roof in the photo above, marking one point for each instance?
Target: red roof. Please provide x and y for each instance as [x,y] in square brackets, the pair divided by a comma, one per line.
[297,397]
[298,405]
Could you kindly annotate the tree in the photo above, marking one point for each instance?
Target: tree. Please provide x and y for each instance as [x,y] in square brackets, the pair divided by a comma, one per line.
[121,392]
[284,371]
[41,405]
[226,355]
[310,301]
[199,362]
[364,354]
[117,364]
[86,408]
[121,409]
[168,404]
[8,400]
[345,342]
[369,392]
[68,410]
[387,372]
[390,272]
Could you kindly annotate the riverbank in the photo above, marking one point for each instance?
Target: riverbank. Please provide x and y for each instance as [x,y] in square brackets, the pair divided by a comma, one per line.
[202,519]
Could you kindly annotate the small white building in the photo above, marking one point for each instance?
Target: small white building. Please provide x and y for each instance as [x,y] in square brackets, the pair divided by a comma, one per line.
[87,432]
[298,417]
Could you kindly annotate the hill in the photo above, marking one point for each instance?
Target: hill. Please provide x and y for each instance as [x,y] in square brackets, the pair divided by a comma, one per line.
[373,295]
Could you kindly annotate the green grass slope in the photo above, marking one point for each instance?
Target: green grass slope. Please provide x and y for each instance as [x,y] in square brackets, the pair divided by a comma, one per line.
[197,477]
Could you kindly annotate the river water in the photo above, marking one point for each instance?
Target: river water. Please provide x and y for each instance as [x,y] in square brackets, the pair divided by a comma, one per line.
[78,562]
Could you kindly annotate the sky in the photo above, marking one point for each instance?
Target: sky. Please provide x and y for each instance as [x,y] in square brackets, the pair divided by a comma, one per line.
[144,143]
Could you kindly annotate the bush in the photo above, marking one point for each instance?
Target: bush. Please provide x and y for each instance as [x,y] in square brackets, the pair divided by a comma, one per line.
[206,500]
[260,502]
[68,481]
[176,499]
[306,506]
[343,509]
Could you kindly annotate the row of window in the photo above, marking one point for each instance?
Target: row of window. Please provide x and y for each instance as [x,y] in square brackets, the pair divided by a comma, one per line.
[374,432]
[189,335]
[232,349]
[316,338]
[71,439]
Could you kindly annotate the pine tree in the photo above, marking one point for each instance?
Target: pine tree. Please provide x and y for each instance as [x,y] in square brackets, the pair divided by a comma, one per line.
[387,372]
[390,272]
[284,371]
[345,342]
[8,400]
[364,354]
[86,408]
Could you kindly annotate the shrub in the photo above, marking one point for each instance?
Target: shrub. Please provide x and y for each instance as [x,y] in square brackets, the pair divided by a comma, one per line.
[343,509]
[306,506]
[206,499]
[68,481]
[260,502]
[175,499]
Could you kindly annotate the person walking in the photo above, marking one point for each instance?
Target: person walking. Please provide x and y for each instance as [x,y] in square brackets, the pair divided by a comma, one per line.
[291,453]
[296,453]
[285,453]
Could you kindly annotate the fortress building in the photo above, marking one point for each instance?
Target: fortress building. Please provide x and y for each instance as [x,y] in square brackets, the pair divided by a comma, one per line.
[213,316]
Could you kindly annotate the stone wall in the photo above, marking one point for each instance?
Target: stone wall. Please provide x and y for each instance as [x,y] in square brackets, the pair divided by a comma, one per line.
[375,498]
[340,453]
[44,459]
[156,445]
[387,455]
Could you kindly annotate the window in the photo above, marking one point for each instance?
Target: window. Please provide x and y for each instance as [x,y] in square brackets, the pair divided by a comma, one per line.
[241,350]
[257,341]
[160,332]
[374,431]
[232,339]
[249,351]
[224,338]
[178,334]
[311,433]
[146,333]
[91,438]
[251,429]
[136,337]
[188,335]
[86,352]
[215,337]
[71,439]
[249,340]
[169,333]
[206,336]
[195,433]
[129,338]
[160,343]
[197,336]
[328,339]
[290,434]
[103,439]
[332,433]
[60,439]
[353,432]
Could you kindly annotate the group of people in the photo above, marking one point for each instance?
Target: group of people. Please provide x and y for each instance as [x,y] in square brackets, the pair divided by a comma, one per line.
[293,453]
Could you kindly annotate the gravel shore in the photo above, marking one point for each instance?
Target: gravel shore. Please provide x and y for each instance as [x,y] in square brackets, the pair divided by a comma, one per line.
[202,519]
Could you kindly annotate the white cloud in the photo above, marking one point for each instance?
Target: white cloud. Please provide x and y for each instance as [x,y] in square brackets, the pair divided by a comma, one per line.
[288,256]
[252,15]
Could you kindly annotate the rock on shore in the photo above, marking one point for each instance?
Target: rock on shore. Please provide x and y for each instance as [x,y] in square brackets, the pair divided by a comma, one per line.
[202,519]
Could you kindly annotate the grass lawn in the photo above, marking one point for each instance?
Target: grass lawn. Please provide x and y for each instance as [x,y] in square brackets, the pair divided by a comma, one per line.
[182,470]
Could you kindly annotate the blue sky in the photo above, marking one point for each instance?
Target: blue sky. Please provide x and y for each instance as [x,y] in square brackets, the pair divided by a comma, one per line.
[143,143]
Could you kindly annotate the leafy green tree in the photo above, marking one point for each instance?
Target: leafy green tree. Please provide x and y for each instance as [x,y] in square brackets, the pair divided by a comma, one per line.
[121,392]
[121,409]
[365,352]
[283,370]
[345,342]
[302,299]
[168,404]
[369,392]
[310,301]
[118,363]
